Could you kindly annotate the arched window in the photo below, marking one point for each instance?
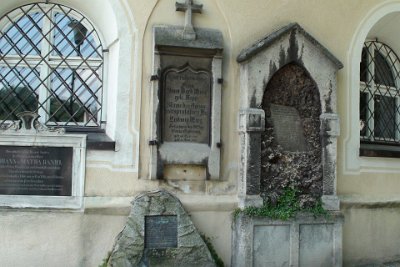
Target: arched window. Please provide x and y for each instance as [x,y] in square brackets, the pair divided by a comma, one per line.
[51,62]
[379,94]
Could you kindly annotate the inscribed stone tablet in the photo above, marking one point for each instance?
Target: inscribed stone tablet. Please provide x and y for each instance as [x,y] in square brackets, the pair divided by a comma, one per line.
[187,105]
[161,231]
[44,171]
[288,128]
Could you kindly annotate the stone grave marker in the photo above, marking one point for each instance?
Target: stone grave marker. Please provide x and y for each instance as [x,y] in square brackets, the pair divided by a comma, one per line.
[41,167]
[186,96]
[159,232]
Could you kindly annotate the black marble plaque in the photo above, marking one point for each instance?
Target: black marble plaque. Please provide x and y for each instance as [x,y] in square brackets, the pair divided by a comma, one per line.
[161,231]
[186,106]
[288,128]
[44,171]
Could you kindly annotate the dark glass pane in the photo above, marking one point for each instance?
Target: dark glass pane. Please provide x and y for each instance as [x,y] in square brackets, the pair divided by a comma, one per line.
[363,113]
[23,36]
[71,38]
[364,65]
[18,91]
[75,96]
[383,71]
[385,117]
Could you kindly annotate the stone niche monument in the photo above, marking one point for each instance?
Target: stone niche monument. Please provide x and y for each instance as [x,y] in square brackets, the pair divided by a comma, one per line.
[288,129]
[41,167]
[186,96]
[159,232]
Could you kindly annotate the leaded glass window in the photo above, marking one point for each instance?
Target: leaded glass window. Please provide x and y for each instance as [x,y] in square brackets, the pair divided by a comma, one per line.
[51,62]
[379,94]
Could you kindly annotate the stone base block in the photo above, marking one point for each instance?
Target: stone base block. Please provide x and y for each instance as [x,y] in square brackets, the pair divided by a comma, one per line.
[250,201]
[304,241]
[331,202]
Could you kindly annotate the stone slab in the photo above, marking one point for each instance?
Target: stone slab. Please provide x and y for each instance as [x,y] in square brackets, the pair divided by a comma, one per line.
[187,105]
[316,246]
[271,246]
[288,128]
[45,171]
[167,35]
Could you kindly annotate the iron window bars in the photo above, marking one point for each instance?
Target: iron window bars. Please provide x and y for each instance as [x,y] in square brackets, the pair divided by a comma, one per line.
[51,62]
[379,94]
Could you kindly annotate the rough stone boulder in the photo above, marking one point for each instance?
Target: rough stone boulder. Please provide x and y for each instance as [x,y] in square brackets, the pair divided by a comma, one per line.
[130,249]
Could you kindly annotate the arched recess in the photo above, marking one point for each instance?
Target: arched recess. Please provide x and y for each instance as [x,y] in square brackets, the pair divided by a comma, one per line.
[380,22]
[259,63]
[116,29]
[291,156]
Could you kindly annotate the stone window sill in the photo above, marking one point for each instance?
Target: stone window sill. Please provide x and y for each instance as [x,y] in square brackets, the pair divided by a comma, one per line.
[100,141]
[97,140]
[379,150]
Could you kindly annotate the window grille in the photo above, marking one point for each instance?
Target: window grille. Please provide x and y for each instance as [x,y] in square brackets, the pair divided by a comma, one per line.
[51,62]
[379,94]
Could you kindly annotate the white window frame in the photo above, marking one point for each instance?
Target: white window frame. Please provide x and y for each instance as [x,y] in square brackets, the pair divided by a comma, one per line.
[379,90]
[55,61]
[350,162]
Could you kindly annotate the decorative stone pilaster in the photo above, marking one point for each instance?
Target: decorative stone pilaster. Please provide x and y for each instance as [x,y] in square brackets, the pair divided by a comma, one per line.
[251,126]
[330,130]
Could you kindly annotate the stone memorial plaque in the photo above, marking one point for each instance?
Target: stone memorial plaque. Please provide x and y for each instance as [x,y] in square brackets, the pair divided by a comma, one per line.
[161,231]
[288,128]
[186,106]
[43,171]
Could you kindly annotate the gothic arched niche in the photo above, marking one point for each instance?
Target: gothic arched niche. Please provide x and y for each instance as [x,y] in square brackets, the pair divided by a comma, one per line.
[290,144]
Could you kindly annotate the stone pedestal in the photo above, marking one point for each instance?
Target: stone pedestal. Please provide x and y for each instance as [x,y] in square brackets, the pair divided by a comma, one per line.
[304,241]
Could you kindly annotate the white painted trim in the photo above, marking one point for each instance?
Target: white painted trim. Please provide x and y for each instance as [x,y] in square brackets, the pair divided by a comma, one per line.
[352,162]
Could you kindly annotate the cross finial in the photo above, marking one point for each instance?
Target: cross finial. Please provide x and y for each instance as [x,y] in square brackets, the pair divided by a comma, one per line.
[189,8]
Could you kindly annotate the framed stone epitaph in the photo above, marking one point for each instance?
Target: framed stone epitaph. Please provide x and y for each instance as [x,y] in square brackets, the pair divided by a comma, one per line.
[36,170]
[186,101]
[42,169]
[186,105]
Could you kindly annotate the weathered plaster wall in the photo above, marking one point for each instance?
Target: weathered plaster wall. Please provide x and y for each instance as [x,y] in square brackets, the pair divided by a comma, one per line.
[371,235]
[113,178]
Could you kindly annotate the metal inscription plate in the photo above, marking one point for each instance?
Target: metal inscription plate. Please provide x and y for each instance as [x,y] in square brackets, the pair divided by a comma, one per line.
[288,128]
[44,171]
[161,231]
[186,106]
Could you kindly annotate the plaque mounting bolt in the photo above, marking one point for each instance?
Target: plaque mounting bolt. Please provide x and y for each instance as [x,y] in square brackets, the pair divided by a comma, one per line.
[153,143]
[220,80]
[154,77]
[219,145]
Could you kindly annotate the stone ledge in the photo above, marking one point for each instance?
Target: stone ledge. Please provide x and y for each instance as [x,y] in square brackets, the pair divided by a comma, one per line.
[193,203]
[354,201]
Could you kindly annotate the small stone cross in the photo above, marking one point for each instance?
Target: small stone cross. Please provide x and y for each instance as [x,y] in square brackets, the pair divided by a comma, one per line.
[189,8]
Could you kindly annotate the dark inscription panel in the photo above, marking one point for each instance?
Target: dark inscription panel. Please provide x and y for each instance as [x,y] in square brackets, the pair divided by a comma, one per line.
[161,232]
[44,171]
[288,128]
[187,101]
